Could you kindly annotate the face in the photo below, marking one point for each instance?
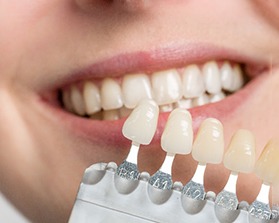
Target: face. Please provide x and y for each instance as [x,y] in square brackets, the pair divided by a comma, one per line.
[51,130]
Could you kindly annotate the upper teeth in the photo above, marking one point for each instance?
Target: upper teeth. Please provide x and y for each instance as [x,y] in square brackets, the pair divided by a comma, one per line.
[192,86]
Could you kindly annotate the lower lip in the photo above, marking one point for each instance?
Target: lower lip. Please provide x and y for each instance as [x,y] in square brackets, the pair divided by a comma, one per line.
[109,132]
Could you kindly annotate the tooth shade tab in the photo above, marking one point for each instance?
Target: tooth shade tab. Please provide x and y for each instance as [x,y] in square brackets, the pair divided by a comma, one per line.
[194,189]
[199,174]
[141,125]
[208,147]
[133,154]
[177,137]
[260,208]
[241,153]
[167,86]
[167,164]
[267,166]
[135,87]
[227,198]
[231,184]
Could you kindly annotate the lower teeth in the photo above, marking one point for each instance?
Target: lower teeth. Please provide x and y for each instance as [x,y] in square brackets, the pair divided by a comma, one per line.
[123,112]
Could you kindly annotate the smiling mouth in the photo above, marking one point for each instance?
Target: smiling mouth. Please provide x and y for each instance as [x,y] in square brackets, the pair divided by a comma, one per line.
[209,81]
[186,87]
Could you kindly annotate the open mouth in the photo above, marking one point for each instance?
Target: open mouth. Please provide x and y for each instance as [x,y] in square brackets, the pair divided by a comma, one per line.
[187,87]
[209,81]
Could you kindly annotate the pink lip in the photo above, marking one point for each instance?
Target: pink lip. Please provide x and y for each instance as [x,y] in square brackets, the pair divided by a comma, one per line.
[109,132]
[160,59]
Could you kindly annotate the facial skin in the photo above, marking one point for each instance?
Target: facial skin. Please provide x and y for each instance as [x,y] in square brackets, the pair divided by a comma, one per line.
[43,154]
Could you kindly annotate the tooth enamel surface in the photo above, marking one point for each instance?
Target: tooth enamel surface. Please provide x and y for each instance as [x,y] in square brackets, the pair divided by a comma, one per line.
[212,77]
[208,146]
[238,78]
[111,95]
[184,103]
[141,125]
[166,86]
[202,100]
[192,81]
[92,98]
[240,156]
[217,97]
[195,85]
[135,88]
[227,76]
[177,137]
[77,101]
[267,166]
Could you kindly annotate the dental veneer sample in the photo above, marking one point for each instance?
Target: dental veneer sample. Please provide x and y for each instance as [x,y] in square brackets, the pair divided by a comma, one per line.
[141,125]
[267,166]
[240,156]
[208,146]
[177,137]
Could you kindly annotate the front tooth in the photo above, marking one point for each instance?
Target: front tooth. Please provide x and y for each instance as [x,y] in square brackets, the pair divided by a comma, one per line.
[141,125]
[208,146]
[193,85]
[77,101]
[92,98]
[111,96]
[267,166]
[177,137]
[166,86]
[212,77]
[240,156]
[135,88]
[227,76]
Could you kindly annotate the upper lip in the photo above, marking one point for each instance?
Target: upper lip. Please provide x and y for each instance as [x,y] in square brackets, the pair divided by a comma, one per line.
[159,59]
